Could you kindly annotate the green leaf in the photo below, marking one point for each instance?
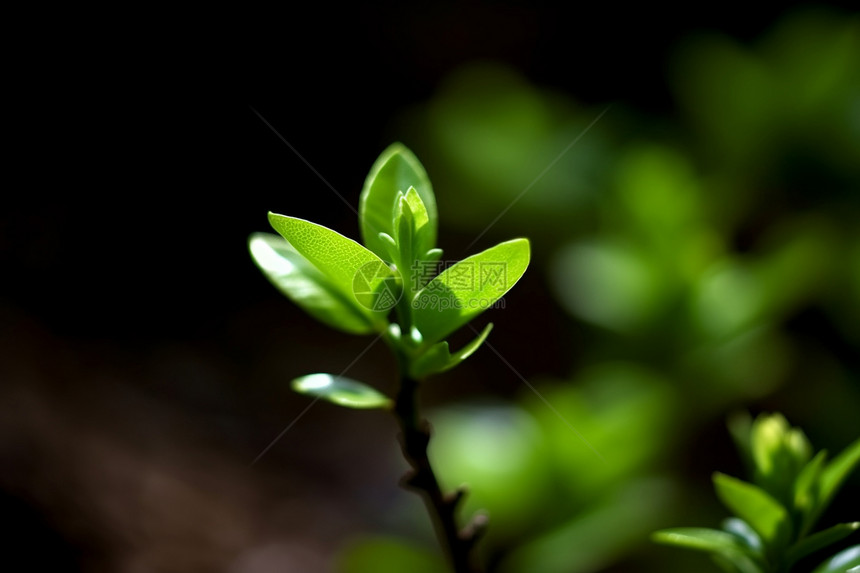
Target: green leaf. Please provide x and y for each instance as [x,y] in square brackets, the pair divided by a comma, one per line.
[755,506]
[836,472]
[404,229]
[847,561]
[439,359]
[396,170]
[297,278]
[390,245]
[820,540]
[419,210]
[701,539]
[743,530]
[728,549]
[425,234]
[358,274]
[740,428]
[737,563]
[466,289]
[341,391]
[432,255]
[807,491]
[779,452]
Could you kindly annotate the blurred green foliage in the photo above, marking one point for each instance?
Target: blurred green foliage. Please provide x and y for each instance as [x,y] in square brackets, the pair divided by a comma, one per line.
[771,530]
[383,555]
[711,261]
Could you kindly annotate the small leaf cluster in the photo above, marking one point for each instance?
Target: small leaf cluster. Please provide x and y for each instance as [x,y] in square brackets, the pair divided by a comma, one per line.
[356,287]
[773,516]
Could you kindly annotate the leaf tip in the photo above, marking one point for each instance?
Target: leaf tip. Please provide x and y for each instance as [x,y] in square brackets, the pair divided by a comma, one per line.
[659,536]
[524,244]
[396,147]
[273,218]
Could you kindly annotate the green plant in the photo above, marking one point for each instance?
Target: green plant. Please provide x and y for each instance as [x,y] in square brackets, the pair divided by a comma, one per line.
[771,530]
[354,288]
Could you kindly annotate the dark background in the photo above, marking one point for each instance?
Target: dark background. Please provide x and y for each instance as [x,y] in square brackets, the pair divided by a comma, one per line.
[138,145]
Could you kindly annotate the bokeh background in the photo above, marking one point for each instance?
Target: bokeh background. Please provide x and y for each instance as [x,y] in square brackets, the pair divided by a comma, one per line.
[690,182]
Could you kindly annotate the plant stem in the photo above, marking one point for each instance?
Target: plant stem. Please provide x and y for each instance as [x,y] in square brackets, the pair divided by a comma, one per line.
[414,439]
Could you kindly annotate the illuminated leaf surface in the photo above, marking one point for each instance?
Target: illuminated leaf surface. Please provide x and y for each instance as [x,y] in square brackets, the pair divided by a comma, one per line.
[341,391]
[340,259]
[700,538]
[847,561]
[821,540]
[468,288]
[752,504]
[396,170]
[439,358]
[297,278]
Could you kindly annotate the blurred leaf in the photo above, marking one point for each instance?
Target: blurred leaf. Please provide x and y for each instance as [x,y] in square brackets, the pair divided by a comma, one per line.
[659,189]
[468,288]
[596,537]
[395,171]
[701,539]
[388,555]
[847,561]
[815,54]
[439,359]
[742,529]
[611,284]
[802,262]
[779,452]
[740,429]
[748,365]
[622,410]
[728,299]
[728,92]
[297,278]
[796,88]
[820,540]
[737,563]
[501,453]
[341,391]
[498,135]
[807,491]
[344,263]
[755,506]
[738,548]
[836,472]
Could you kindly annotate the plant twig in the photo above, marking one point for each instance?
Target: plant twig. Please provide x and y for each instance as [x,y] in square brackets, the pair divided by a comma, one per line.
[414,439]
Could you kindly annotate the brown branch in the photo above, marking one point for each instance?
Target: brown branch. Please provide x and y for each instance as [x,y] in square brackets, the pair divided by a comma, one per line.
[414,439]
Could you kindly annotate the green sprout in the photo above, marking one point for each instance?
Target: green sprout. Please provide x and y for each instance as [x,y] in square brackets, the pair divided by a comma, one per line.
[390,287]
[771,529]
